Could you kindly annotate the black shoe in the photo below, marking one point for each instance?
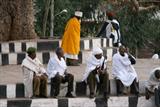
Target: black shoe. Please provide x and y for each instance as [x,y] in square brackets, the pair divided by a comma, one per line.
[55,95]
[147,96]
[105,96]
[69,95]
[137,94]
[43,96]
[35,96]
[72,62]
[91,95]
[120,94]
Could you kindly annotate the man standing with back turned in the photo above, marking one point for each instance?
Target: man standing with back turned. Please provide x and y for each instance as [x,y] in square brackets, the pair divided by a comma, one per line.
[71,39]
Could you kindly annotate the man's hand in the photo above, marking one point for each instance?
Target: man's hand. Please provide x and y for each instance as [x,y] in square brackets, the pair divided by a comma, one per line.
[96,69]
[105,58]
[100,71]
[57,74]
[127,50]
[65,72]
[45,75]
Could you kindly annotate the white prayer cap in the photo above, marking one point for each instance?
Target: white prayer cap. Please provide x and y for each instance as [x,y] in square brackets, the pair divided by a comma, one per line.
[115,21]
[78,13]
[97,50]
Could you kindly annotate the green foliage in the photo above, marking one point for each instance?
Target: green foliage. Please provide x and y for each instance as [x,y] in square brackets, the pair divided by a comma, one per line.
[87,6]
[139,29]
[151,31]
[90,29]
[59,20]
[39,12]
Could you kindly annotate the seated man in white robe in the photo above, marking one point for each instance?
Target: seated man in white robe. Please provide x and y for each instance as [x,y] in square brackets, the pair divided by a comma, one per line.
[35,77]
[123,71]
[96,73]
[57,72]
[153,85]
[155,56]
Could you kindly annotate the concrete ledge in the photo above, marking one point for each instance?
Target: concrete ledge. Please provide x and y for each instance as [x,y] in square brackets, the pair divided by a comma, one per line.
[15,52]
[17,58]
[113,88]
[50,45]
[79,102]
[80,89]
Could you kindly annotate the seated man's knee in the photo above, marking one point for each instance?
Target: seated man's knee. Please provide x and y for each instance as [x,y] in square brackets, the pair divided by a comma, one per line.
[119,85]
[118,82]
[71,77]
[156,90]
[58,78]
[44,78]
[36,79]
[91,74]
[106,75]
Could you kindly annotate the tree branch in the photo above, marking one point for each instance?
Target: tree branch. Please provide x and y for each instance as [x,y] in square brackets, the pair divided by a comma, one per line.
[140,8]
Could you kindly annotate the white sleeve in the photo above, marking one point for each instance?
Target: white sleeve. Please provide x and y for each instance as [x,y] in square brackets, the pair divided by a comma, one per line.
[40,66]
[105,63]
[51,71]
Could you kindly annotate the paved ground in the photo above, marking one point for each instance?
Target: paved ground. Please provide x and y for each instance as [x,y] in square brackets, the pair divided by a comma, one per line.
[13,73]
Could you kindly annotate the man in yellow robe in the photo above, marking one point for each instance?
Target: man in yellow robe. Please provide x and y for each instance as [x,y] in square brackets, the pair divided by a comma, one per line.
[71,39]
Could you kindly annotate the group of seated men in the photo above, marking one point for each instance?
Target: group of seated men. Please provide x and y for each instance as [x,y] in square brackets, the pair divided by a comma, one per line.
[36,77]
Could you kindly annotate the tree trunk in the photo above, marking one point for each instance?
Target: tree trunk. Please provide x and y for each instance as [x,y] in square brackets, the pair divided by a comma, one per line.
[16,20]
[47,6]
[52,19]
[135,4]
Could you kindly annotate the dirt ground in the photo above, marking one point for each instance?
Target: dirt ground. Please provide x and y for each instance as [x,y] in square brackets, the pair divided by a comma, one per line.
[13,74]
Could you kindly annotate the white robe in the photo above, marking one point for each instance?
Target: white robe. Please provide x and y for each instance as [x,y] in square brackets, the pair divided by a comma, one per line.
[153,82]
[110,30]
[116,34]
[28,81]
[123,70]
[55,65]
[155,56]
[92,63]
[29,67]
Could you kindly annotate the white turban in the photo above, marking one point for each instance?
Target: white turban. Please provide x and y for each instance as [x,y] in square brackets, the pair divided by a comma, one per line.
[78,13]
[97,50]
[115,21]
